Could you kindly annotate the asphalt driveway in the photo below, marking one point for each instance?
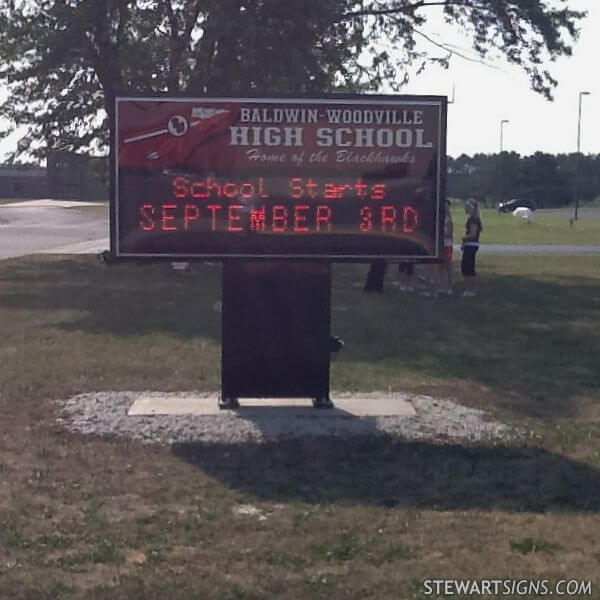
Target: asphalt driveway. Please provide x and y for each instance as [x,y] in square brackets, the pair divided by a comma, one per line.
[34,227]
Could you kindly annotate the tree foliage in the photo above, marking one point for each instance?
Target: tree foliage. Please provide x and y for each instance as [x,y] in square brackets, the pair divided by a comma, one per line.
[62,61]
[546,179]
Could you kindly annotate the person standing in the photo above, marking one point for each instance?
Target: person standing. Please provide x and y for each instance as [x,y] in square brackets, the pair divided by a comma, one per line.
[470,245]
[406,272]
[376,276]
[445,267]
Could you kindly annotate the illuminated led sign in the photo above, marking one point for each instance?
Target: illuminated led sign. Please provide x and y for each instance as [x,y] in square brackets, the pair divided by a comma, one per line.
[340,177]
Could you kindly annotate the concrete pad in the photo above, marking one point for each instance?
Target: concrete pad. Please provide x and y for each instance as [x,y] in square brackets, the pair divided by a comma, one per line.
[383,406]
[356,405]
[46,202]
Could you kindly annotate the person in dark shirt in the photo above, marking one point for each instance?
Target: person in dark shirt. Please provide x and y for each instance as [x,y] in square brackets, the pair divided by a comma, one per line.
[376,276]
[444,279]
[470,245]
[406,271]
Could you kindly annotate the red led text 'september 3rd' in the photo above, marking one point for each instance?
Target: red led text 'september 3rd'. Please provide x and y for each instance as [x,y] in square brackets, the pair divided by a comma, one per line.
[278,218]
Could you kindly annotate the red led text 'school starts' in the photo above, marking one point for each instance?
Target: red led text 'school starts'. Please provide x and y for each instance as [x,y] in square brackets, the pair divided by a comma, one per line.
[299,188]
[188,183]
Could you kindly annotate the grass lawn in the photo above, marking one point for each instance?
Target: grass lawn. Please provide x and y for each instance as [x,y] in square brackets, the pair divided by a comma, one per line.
[547,227]
[102,209]
[88,518]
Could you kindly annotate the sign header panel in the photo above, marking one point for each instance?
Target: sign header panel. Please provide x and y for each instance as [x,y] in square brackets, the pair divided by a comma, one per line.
[342,178]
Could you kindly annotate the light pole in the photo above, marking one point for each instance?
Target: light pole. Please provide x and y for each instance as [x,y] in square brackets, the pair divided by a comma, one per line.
[500,159]
[576,187]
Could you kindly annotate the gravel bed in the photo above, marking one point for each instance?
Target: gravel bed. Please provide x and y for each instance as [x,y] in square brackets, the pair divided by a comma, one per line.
[105,413]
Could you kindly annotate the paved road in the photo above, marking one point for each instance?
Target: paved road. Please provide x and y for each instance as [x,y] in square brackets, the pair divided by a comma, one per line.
[43,228]
[535,249]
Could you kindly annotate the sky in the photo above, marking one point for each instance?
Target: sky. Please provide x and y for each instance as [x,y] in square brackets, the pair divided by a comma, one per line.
[484,96]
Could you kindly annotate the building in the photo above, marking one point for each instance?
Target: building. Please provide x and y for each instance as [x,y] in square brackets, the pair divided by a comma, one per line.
[23,181]
[68,176]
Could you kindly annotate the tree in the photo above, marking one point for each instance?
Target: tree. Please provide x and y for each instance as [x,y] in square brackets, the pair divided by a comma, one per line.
[545,185]
[511,173]
[63,61]
[589,177]
[544,178]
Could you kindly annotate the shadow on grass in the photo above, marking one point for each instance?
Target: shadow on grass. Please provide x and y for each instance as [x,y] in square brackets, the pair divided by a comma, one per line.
[124,300]
[532,341]
[387,472]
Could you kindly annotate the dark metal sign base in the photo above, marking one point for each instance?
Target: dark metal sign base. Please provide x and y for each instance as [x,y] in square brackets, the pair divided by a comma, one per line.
[275,331]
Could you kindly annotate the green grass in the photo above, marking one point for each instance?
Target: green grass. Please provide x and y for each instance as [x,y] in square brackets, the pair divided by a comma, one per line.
[546,228]
[530,545]
[98,519]
[397,552]
[102,209]
[518,339]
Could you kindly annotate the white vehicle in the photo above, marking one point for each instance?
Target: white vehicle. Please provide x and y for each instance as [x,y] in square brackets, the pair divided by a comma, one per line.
[525,213]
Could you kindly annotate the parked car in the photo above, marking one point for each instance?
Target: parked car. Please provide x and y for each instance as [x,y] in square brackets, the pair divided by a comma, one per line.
[508,207]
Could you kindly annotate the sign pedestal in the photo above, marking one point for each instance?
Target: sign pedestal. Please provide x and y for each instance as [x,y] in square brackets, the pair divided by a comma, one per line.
[275,189]
[275,331]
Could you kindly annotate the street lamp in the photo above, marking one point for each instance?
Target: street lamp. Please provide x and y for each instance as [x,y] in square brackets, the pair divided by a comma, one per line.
[500,159]
[576,190]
